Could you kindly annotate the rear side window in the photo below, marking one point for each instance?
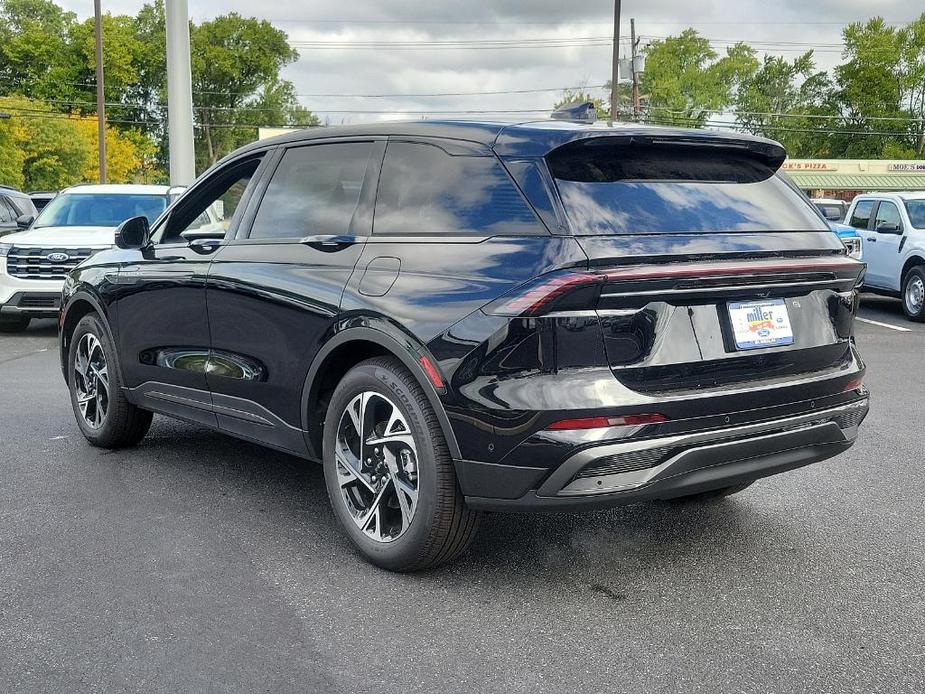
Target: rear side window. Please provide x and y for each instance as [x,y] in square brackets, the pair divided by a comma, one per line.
[424,190]
[315,190]
[916,211]
[609,186]
[888,213]
[860,218]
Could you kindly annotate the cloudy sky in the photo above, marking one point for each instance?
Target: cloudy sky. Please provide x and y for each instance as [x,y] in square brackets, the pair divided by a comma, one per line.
[557,45]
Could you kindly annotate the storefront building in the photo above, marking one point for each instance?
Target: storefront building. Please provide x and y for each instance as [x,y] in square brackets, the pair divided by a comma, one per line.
[845,178]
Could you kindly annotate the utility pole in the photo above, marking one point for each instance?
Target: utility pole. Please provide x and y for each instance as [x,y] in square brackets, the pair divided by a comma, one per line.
[100,90]
[179,95]
[615,68]
[635,74]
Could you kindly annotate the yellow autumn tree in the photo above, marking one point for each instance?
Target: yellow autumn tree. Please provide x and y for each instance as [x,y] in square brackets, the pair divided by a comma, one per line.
[42,149]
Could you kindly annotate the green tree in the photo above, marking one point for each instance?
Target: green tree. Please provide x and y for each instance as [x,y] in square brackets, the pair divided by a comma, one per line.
[35,52]
[233,57]
[685,79]
[881,89]
[780,100]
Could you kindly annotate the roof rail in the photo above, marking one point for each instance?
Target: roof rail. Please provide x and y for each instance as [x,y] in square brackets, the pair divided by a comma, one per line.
[583,112]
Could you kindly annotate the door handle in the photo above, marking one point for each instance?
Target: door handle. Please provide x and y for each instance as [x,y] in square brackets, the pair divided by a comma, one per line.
[329,242]
[871,239]
[205,246]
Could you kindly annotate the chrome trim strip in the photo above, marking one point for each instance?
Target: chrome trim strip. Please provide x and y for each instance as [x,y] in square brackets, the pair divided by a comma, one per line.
[624,481]
[559,480]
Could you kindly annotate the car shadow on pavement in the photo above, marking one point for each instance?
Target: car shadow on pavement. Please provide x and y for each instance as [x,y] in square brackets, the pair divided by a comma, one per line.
[885,305]
[290,493]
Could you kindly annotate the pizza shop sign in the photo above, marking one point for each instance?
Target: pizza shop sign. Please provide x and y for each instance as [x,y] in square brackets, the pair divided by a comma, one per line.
[808,166]
[918,167]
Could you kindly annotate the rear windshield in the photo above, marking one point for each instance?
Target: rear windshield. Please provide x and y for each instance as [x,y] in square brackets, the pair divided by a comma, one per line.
[609,186]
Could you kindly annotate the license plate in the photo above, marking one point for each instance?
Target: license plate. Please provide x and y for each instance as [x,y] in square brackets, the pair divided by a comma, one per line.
[757,324]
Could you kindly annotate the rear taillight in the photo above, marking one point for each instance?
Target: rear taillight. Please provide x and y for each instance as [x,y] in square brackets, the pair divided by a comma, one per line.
[854,384]
[578,290]
[538,296]
[629,420]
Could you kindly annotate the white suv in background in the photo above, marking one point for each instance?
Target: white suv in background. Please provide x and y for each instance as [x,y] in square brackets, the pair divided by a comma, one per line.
[74,225]
[892,229]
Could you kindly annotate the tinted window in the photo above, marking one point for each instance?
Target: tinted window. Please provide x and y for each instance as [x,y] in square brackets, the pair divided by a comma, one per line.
[424,190]
[916,211]
[860,218]
[611,187]
[888,213]
[211,206]
[315,190]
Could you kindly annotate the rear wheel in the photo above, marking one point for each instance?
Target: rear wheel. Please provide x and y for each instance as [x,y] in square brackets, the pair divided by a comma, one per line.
[914,294]
[105,417]
[388,471]
[14,324]
[712,495]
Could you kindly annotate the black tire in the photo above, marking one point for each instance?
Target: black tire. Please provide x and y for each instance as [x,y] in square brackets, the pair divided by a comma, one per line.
[712,495]
[15,324]
[123,424]
[442,526]
[914,312]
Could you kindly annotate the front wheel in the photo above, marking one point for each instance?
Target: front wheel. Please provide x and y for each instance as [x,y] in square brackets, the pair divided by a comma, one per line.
[388,471]
[914,294]
[105,417]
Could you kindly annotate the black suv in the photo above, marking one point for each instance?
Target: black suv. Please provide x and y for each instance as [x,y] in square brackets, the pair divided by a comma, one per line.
[17,211]
[453,317]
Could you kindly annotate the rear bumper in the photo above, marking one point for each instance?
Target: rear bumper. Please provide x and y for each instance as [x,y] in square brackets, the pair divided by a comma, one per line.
[615,474]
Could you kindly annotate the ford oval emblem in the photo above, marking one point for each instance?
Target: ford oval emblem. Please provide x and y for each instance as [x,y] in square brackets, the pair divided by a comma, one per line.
[57,257]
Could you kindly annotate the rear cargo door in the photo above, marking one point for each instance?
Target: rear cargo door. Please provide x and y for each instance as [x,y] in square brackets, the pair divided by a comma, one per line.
[716,269]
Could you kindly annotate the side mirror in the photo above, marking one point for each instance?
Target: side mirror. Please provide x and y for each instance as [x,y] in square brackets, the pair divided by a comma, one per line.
[133,233]
[888,228]
[24,221]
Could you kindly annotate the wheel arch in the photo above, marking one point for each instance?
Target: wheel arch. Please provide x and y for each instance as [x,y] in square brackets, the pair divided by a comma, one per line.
[911,262]
[80,304]
[341,353]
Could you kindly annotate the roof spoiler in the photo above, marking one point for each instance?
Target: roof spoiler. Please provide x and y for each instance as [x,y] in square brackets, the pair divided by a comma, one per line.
[766,151]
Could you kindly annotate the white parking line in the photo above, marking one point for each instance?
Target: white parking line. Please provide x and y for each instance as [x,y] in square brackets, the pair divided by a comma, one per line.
[898,328]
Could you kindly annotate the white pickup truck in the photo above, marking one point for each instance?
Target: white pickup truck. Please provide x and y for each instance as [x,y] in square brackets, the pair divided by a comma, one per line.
[892,231]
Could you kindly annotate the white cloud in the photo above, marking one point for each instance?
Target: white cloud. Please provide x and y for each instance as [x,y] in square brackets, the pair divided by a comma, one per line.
[349,71]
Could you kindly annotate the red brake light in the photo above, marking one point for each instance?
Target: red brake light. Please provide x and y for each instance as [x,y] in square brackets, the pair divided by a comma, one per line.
[853,384]
[629,420]
[544,292]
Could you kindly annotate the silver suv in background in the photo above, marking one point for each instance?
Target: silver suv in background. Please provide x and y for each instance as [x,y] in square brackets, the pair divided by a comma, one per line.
[892,226]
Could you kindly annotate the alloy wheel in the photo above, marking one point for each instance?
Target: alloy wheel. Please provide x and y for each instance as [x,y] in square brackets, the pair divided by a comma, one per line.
[377,466]
[91,381]
[915,295]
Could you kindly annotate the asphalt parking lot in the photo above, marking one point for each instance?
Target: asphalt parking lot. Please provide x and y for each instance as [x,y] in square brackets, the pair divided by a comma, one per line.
[200,563]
